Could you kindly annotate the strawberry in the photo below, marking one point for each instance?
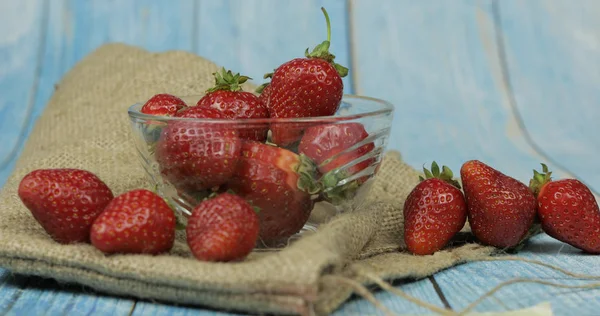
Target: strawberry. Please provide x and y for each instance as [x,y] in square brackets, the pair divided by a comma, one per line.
[194,155]
[163,104]
[330,147]
[264,95]
[500,209]
[137,221]
[223,228]
[280,183]
[65,202]
[227,96]
[434,211]
[305,87]
[568,210]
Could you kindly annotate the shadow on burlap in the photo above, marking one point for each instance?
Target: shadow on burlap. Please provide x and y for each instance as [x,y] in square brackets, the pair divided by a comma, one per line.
[85,125]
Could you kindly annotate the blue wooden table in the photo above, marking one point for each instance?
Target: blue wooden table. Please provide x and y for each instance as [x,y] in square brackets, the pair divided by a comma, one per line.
[510,82]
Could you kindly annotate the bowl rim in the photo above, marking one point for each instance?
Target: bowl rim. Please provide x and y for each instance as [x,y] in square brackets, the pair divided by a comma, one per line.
[384,107]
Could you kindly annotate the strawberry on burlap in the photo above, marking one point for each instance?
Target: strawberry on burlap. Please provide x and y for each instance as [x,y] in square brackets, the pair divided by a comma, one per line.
[85,125]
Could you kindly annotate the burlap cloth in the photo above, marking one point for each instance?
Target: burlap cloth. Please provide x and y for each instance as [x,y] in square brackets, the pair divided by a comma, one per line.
[85,125]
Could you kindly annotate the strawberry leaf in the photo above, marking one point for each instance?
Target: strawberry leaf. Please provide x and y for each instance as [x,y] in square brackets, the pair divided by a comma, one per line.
[428,174]
[226,80]
[435,169]
[447,172]
[540,179]
[261,87]
[445,175]
[307,180]
[342,71]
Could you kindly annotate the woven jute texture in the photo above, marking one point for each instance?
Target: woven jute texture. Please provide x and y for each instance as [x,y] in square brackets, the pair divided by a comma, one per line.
[85,125]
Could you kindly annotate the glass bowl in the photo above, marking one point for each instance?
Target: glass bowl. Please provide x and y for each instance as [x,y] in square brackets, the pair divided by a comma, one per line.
[318,168]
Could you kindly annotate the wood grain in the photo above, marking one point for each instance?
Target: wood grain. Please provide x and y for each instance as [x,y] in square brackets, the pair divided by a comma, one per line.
[19,74]
[422,290]
[21,295]
[552,55]
[445,80]
[464,284]
[255,37]
[71,30]
[143,308]
[507,82]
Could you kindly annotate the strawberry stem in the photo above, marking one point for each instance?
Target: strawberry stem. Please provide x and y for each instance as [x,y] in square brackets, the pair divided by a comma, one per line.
[322,50]
[435,173]
[328,24]
[540,179]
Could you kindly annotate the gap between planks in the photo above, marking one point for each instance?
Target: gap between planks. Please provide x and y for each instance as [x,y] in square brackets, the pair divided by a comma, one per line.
[33,91]
[507,88]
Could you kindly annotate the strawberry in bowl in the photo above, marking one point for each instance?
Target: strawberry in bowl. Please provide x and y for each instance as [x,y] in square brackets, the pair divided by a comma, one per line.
[297,149]
[202,151]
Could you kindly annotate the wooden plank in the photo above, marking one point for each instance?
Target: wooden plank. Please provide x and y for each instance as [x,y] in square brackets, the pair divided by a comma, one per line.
[37,296]
[438,64]
[422,290]
[11,287]
[143,308]
[255,36]
[73,30]
[453,104]
[20,54]
[464,284]
[551,50]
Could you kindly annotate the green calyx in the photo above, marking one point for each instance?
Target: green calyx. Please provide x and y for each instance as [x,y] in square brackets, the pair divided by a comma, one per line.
[540,179]
[337,194]
[445,174]
[322,50]
[307,175]
[226,80]
[262,87]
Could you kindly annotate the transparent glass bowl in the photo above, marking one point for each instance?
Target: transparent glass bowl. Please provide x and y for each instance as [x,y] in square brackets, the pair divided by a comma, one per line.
[187,159]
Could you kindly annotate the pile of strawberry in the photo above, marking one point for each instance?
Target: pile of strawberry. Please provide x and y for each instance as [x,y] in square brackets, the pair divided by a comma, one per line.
[249,180]
[501,210]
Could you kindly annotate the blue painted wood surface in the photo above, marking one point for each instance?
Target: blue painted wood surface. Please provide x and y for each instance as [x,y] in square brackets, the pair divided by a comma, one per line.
[483,276]
[508,82]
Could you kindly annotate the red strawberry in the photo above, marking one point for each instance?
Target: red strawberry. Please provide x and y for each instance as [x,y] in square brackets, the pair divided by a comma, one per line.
[305,87]
[265,93]
[193,155]
[227,96]
[163,104]
[137,221]
[500,209]
[64,201]
[434,211]
[568,211]
[223,228]
[329,147]
[279,182]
